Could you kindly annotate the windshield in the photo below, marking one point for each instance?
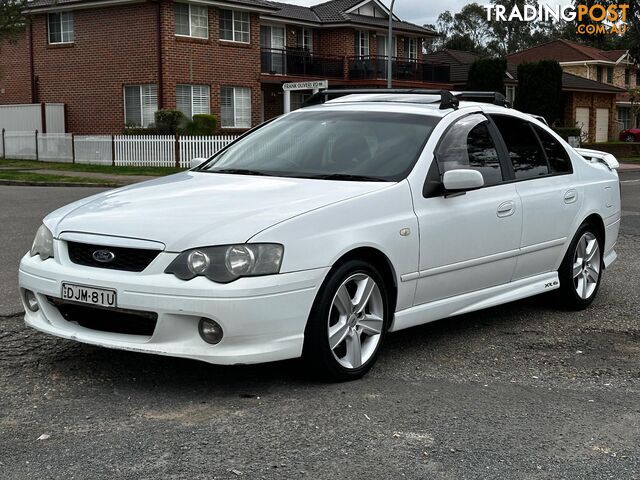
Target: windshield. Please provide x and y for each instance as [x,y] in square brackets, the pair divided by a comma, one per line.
[366,146]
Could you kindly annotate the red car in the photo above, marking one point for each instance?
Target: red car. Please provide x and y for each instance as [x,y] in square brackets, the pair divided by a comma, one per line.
[630,135]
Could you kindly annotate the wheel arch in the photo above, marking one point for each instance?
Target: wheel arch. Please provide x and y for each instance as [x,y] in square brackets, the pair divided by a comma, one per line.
[381,261]
[597,221]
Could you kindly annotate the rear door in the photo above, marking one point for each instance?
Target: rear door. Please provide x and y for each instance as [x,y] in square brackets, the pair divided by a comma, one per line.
[547,187]
[468,240]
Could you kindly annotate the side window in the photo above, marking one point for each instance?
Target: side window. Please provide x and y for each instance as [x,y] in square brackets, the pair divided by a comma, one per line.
[559,160]
[524,148]
[468,144]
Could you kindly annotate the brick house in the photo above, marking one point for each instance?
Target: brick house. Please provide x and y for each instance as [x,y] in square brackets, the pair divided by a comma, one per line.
[609,67]
[589,103]
[115,62]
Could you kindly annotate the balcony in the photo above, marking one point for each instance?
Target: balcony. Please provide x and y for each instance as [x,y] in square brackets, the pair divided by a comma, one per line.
[301,63]
[373,67]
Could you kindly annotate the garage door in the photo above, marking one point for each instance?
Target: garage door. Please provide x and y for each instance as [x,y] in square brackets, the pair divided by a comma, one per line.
[602,124]
[582,121]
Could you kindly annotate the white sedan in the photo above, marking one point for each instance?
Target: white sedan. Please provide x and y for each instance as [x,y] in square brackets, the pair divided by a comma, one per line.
[322,231]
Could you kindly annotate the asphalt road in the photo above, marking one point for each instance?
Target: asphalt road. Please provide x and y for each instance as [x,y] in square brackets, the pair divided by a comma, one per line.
[519,391]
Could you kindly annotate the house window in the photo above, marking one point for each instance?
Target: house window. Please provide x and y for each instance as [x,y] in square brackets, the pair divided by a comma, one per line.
[510,93]
[599,74]
[627,77]
[191,20]
[192,99]
[140,105]
[307,39]
[234,26]
[362,44]
[412,49]
[637,78]
[61,27]
[297,99]
[235,107]
[609,75]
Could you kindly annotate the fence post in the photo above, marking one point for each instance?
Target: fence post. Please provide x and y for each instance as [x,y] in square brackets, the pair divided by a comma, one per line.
[177,153]
[73,148]
[4,147]
[37,155]
[113,150]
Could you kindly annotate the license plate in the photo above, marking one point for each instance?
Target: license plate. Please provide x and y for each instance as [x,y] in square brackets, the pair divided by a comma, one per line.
[91,295]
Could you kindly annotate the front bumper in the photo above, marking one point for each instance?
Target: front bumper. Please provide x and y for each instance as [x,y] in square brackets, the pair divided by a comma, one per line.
[263,318]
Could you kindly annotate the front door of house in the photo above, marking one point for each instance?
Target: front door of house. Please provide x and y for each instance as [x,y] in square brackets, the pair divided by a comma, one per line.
[382,54]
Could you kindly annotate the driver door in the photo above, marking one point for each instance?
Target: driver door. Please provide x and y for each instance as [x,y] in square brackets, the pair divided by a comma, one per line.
[469,240]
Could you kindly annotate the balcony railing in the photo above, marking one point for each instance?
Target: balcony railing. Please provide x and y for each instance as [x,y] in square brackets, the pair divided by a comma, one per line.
[295,62]
[373,67]
[301,63]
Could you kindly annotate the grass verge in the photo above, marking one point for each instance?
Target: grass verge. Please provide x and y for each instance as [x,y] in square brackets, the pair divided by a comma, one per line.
[76,167]
[39,177]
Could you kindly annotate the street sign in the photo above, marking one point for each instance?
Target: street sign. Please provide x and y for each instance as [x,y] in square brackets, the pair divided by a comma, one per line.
[315,85]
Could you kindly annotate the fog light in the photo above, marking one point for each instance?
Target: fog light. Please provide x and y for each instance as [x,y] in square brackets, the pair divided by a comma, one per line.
[31,301]
[210,331]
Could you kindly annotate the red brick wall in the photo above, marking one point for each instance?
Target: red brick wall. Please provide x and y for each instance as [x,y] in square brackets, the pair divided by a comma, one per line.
[593,101]
[212,62]
[113,47]
[15,78]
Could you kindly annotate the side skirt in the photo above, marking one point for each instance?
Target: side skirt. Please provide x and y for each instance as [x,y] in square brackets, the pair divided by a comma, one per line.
[470,302]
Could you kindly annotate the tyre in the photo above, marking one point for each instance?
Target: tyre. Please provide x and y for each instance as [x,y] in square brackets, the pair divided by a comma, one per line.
[348,322]
[581,270]
[630,138]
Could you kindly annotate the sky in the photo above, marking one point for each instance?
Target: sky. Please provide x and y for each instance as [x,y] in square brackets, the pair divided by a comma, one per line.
[423,12]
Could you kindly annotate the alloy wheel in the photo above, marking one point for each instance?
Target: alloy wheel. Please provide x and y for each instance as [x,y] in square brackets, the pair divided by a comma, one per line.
[586,265]
[356,321]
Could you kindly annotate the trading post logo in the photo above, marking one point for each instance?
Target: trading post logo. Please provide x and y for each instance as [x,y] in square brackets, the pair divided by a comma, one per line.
[593,19]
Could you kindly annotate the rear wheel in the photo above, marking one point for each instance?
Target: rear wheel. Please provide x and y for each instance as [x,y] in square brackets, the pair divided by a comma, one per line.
[630,138]
[348,322]
[581,270]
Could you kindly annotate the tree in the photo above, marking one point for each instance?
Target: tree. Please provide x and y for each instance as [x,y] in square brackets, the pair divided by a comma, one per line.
[511,36]
[487,74]
[540,89]
[12,19]
[466,30]
[634,99]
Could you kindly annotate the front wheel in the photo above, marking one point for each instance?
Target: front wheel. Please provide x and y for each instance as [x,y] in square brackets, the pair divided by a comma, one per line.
[630,138]
[348,322]
[581,270]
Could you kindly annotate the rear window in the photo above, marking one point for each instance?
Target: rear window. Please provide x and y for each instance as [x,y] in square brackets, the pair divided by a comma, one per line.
[525,153]
[559,160]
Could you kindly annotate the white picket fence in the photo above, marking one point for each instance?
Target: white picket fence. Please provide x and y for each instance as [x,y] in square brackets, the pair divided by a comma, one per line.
[122,150]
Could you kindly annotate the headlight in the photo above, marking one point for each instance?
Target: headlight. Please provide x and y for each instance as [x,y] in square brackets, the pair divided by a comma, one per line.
[227,263]
[43,243]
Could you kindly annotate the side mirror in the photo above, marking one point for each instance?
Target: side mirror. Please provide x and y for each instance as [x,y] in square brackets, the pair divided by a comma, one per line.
[196,162]
[462,179]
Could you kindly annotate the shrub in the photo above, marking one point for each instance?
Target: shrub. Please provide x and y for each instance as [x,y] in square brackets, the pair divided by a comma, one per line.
[540,89]
[487,75]
[169,121]
[201,124]
[566,132]
[135,130]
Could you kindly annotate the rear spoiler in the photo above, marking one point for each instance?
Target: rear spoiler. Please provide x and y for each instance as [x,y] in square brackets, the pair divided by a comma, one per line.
[596,156]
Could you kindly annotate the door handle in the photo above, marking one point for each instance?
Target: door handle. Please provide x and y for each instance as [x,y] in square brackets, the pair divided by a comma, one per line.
[506,209]
[571,196]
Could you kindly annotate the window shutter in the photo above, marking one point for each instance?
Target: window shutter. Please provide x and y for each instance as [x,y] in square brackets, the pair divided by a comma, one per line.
[356,44]
[149,96]
[243,107]
[132,106]
[200,99]
[183,99]
[226,107]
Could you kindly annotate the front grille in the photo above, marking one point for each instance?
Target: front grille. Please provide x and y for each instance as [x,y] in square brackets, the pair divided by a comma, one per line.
[113,320]
[127,259]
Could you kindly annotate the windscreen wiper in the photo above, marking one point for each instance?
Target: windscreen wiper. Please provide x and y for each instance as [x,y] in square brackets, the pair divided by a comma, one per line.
[241,171]
[348,177]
